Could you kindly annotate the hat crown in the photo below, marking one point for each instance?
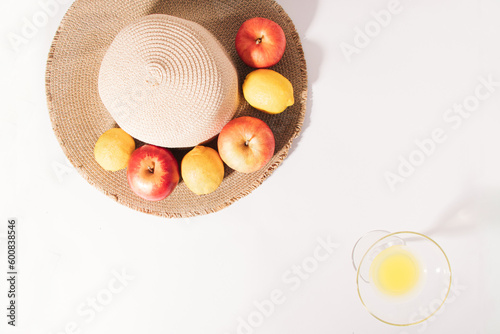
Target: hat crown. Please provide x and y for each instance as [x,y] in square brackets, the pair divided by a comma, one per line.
[168,81]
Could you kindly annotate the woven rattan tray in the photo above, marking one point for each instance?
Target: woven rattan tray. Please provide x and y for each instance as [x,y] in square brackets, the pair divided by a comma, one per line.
[79,117]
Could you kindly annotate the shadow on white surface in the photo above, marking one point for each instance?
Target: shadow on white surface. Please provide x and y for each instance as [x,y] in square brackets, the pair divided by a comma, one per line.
[471,211]
[302,13]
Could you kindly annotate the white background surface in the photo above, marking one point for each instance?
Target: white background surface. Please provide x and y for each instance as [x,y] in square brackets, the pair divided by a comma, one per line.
[201,275]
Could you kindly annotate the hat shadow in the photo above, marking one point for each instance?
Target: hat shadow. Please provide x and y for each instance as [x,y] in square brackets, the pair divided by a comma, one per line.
[302,13]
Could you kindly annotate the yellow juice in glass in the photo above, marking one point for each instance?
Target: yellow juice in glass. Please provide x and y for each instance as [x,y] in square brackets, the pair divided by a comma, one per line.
[395,271]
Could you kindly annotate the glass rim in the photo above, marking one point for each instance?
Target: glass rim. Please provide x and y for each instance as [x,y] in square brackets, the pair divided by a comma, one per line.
[356,244]
[363,259]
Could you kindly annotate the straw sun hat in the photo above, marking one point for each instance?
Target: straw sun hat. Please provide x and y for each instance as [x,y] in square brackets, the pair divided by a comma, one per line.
[110,65]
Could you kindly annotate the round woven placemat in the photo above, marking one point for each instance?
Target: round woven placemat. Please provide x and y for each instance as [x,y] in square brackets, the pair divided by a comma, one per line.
[79,117]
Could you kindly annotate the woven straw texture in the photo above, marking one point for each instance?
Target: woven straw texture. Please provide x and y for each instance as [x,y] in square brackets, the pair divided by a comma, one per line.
[79,116]
[168,82]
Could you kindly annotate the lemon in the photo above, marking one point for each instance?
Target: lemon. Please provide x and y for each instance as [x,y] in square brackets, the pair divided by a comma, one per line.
[202,170]
[113,149]
[267,90]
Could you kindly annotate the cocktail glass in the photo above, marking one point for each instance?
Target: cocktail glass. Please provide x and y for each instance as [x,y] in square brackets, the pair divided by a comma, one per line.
[403,278]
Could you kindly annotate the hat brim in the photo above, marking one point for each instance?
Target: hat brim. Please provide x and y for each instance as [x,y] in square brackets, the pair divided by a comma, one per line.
[79,117]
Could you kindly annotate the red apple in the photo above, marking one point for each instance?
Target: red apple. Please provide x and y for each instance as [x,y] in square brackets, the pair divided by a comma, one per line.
[260,42]
[153,172]
[246,144]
